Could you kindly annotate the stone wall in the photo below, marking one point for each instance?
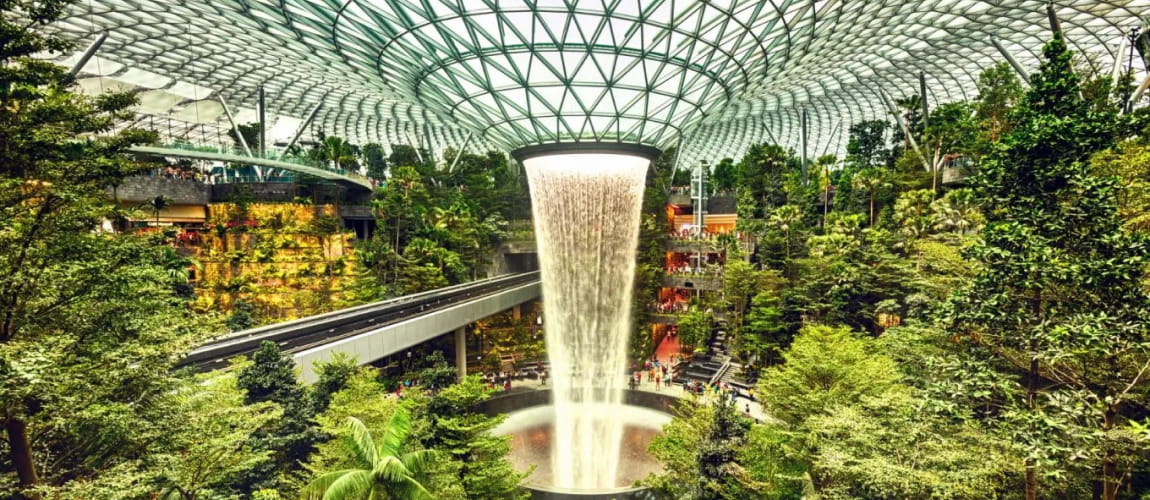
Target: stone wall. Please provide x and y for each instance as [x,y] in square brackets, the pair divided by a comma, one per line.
[721,205]
[694,282]
[142,189]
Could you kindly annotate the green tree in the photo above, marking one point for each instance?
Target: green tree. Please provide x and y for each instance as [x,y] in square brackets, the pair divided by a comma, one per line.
[1058,296]
[375,161]
[824,367]
[400,207]
[73,300]
[1129,163]
[703,451]
[695,329]
[866,146]
[383,469]
[213,443]
[725,175]
[912,213]
[436,373]
[242,316]
[999,90]
[403,155]
[740,281]
[766,332]
[271,377]
[848,272]
[331,377]
[787,218]
[760,174]
[951,130]
[872,181]
[158,204]
[886,447]
[337,153]
[956,211]
[463,435]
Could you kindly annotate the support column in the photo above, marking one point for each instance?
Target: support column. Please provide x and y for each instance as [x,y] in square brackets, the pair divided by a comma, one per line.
[87,55]
[461,352]
[804,130]
[517,312]
[263,118]
[922,98]
[1010,59]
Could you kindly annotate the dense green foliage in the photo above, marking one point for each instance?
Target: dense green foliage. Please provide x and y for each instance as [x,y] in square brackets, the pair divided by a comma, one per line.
[909,338]
[934,341]
[93,321]
[437,227]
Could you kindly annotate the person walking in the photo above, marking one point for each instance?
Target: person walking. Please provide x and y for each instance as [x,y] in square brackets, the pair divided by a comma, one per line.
[656,383]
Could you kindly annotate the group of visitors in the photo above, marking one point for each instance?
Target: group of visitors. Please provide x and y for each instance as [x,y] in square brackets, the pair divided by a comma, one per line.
[671,306]
[656,372]
[689,269]
[503,379]
[178,172]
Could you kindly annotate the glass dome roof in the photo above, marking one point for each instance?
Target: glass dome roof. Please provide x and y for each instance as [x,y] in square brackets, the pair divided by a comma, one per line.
[711,76]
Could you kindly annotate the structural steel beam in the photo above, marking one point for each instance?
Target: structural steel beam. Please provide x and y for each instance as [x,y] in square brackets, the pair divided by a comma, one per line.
[1010,59]
[1138,94]
[262,109]
[232,120]
[905,129]
[460,153]
[87,55]
[303,126]
[1117,69]
[803,133]
[834,131]
[922,97]
[1052,17]
[770,136]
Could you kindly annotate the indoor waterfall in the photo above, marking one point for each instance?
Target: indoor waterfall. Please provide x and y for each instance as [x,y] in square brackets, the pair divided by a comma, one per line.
[586,209]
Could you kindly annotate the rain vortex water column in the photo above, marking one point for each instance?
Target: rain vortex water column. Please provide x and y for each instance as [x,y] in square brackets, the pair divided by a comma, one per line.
[586,204]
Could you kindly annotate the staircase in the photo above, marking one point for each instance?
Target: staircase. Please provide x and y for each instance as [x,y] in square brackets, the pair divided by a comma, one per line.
[710,366]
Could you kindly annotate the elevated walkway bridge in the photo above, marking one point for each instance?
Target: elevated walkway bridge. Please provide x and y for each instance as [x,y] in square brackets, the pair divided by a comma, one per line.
[191,152]
[374,331]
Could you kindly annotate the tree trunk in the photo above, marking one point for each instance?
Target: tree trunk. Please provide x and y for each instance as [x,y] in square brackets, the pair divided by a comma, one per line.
[1110,477]
[21,450]
[1031,395]
[872,208]
[826,203]
[935,168]
[395,261]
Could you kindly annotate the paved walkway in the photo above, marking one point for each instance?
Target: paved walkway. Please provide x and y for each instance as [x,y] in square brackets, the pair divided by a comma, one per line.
[667,349]
[752,408]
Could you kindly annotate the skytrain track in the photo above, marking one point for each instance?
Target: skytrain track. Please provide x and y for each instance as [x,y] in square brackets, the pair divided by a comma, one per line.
[297,335]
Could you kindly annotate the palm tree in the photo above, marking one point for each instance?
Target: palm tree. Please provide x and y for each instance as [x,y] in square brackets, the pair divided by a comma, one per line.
[957,211]
[158,204]
[385,471]
[826,161]
[786,218]
[870,180]
[912,212]
[338,152]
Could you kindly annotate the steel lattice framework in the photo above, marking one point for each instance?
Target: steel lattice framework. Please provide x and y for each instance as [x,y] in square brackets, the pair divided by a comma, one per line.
[711,76]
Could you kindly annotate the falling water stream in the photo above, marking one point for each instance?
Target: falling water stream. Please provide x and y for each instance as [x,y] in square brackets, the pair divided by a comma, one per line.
[586,209]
